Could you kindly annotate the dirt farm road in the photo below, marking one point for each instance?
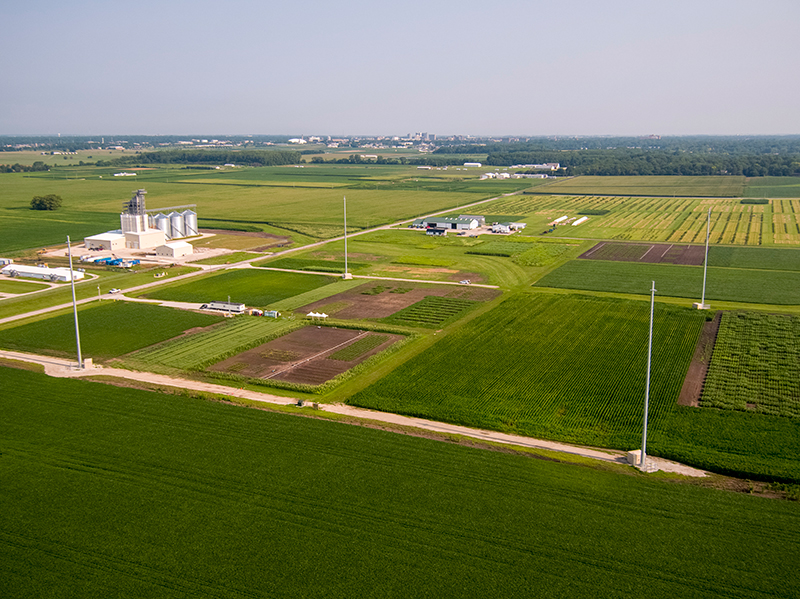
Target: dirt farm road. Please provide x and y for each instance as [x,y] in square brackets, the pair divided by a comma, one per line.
[57,367]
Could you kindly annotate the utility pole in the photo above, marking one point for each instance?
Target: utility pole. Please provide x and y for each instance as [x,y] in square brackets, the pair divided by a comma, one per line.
[705,262]
[647,386]
[74,303]
[347,275]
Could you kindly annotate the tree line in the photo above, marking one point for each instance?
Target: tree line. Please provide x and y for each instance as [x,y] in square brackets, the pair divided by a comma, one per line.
[642,162]
[241,157]
[24,168]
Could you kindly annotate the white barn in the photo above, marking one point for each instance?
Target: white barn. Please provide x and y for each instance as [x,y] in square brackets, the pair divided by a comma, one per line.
[174,249]
[111,240]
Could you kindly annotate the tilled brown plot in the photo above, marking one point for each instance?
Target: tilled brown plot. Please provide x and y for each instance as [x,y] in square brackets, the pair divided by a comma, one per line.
[383,298]
[698,368]
[302,355]
[651,253]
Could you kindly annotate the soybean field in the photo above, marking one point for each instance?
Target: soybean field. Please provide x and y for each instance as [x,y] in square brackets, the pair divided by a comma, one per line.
[172,496]
[432,311]
[253,287]
[107,330]
[756,364]
[561,367]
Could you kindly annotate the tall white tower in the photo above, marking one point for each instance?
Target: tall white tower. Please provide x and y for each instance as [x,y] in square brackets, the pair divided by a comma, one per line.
[134,217]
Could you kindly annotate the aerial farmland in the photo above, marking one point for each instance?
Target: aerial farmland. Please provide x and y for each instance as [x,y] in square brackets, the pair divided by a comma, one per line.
[538,334]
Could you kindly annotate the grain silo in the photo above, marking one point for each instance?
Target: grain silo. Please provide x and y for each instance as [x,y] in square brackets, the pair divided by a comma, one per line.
[161,221]
[176,228]
[189,222]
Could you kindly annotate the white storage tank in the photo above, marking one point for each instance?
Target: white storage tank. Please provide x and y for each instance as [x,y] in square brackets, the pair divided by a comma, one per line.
[176,228]
[161,221]
[189,222]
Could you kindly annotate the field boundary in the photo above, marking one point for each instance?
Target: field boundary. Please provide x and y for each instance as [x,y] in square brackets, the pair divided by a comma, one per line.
[68,369]
[695,379]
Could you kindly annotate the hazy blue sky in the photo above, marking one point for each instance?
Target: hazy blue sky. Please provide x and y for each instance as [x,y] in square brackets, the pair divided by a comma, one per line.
[589,67]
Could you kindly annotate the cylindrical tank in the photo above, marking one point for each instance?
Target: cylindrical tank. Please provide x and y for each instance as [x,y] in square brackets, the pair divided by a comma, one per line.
[189,222]
[176,228]
[161,221]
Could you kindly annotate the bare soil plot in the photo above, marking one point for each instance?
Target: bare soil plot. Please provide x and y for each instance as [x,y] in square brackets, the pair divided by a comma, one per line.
[383,298]
[303,356]
[698,368]
[651,253]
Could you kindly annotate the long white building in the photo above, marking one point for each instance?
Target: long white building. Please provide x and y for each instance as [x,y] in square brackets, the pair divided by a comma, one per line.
[60,274]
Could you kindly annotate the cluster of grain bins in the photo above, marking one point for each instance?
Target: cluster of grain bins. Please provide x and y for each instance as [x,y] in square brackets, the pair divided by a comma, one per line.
[176,224]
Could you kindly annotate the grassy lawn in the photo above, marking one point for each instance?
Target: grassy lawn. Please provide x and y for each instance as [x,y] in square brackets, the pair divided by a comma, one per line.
[9,286]
[726,284]
[107,329]
[254,287]
[228,258]
[173,497]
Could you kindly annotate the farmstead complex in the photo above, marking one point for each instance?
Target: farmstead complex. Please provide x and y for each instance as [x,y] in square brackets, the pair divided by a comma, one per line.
[238,380]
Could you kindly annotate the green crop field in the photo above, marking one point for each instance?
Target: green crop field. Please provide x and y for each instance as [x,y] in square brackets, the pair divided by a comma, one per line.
[755,258]
[107,330]
[358,348]
[755,364]
[675,219]
[551,366]
[414,255]
[273,199]
[201,349]
[117,492]
[253,287]
[432,311]
[772,187]
[664,186]
[107,279]
[727,284]
[742,444]
[785,222]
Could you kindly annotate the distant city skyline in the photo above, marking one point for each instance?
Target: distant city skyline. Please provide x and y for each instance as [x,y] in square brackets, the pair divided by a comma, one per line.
[511,68]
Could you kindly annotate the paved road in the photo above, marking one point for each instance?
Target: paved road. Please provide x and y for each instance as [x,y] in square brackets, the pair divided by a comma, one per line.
[65,368]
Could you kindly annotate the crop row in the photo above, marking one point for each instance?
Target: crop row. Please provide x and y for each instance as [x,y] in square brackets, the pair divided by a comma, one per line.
[755,364]
[358,348]
[195,351]
[560,367]
[431,311]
